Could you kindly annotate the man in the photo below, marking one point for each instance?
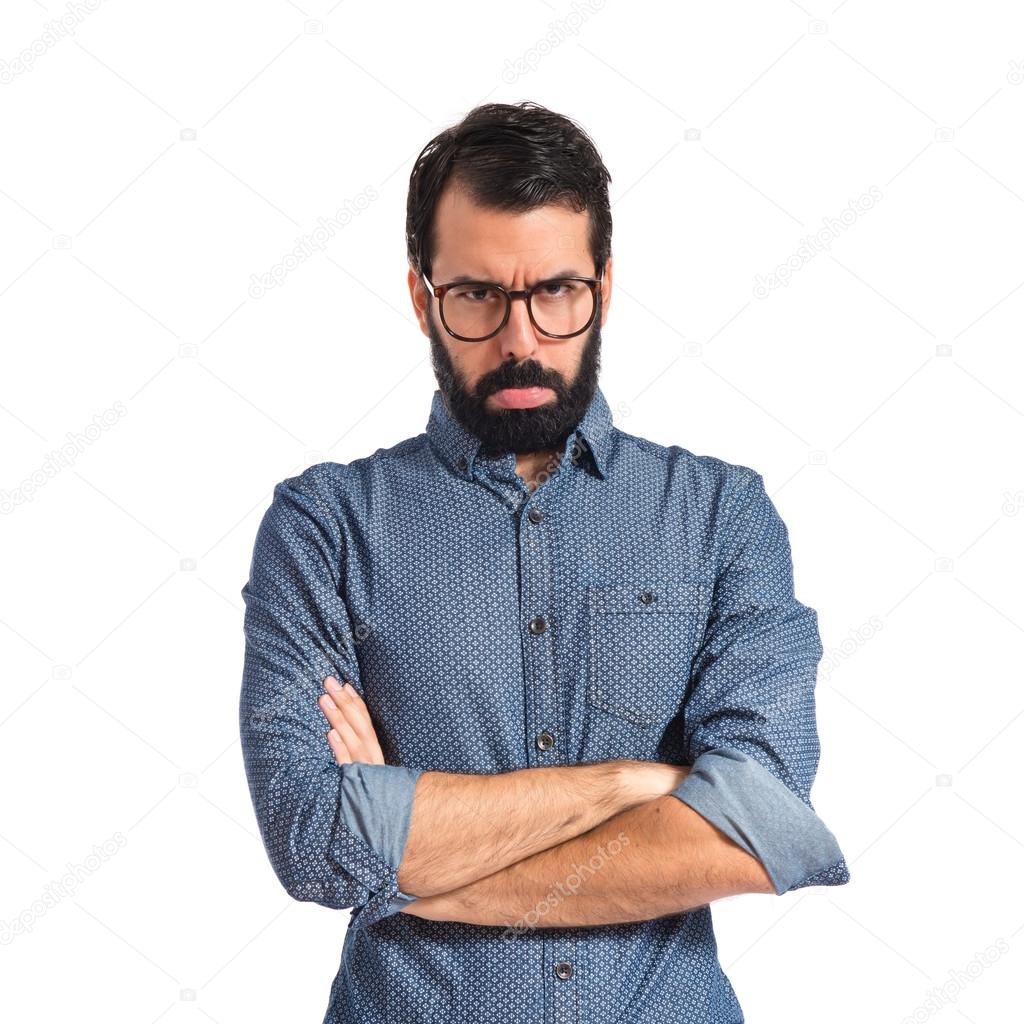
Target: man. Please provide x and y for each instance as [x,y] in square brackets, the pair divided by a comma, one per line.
[580,689]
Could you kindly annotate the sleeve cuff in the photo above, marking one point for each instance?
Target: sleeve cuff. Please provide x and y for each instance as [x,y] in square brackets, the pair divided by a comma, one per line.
[739,796]
[398,902]
[376,804]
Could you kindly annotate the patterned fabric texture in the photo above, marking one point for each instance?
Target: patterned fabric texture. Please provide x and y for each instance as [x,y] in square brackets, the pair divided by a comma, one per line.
[639,604]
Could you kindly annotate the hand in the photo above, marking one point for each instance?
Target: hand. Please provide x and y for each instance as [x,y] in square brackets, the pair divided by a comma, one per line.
[430,908]
[352,736]
[648,780]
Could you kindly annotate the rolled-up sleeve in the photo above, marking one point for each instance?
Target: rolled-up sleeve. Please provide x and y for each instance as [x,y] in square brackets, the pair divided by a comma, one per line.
[750,730]
[376,803]
[297,632]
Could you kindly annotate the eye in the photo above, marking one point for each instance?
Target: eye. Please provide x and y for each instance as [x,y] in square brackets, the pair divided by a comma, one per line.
[474,294]
[558,289]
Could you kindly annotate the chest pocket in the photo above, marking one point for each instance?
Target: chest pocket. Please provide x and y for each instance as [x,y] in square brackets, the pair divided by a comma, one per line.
[643,638]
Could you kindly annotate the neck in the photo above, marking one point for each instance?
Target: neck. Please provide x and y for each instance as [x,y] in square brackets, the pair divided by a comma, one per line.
[536,467]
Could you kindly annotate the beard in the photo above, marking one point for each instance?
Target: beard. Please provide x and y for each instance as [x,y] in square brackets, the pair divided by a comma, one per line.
[542,428]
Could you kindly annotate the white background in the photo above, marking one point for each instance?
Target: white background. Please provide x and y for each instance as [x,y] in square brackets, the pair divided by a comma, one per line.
[880,392]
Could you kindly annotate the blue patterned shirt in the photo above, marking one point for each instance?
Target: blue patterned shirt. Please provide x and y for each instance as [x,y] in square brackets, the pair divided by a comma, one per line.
[638,604]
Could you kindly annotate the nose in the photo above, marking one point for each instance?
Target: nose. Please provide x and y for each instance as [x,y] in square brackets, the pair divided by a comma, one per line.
[518,337]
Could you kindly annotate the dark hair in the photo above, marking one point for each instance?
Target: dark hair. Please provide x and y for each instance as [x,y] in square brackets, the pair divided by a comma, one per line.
[512,157]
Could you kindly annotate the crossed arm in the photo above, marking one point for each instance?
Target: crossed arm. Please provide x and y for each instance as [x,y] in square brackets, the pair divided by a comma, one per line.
[581,845]
[657,858]
[496,848]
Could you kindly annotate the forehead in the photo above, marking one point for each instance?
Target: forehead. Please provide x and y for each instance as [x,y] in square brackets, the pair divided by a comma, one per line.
[498,245]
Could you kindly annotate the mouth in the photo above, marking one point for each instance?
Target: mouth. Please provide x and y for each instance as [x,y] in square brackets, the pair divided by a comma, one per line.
[522,398]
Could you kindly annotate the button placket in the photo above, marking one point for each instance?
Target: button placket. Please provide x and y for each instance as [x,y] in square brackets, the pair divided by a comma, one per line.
[546,709]
[565,996]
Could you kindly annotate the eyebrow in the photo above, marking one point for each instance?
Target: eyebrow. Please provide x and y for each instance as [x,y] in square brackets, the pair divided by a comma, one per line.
[567,272]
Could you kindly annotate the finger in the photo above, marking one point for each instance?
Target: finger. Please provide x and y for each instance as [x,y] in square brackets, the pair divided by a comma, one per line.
[334,714]
[341,754]
[339,713]
[353,706]
[353,721]
[353,745]
[357,747]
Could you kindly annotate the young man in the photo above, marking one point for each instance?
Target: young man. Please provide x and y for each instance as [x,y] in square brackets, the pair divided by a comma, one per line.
[580,700]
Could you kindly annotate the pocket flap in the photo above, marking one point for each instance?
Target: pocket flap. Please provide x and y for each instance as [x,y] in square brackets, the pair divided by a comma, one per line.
[649,598]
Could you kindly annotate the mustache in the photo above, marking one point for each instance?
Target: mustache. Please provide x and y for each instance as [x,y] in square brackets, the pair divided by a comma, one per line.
[520,375]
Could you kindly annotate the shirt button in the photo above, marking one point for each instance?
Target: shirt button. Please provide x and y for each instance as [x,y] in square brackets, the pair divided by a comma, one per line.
[538,625]
[545,741]
[563,970]
[535,515]
[647,596]
[463,462]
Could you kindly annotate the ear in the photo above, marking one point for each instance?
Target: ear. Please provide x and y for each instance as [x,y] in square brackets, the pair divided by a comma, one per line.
[606,290]
[420,299]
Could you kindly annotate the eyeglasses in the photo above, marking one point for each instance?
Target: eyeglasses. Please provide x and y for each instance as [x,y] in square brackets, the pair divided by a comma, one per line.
[561,307]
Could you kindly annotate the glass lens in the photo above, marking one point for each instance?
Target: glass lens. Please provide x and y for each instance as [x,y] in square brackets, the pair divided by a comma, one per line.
[562,307]
[559,307]
[474,310]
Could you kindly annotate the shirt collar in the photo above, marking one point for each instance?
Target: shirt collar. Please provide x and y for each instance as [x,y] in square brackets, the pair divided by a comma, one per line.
[459,446]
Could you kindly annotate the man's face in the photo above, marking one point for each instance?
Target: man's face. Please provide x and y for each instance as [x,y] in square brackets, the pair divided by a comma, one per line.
[520,390]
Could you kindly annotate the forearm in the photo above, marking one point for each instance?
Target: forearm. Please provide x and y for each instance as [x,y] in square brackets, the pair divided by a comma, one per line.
[655,859]
[464,827]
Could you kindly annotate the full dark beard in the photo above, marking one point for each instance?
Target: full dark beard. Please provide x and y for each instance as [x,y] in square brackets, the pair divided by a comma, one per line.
[522,431]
